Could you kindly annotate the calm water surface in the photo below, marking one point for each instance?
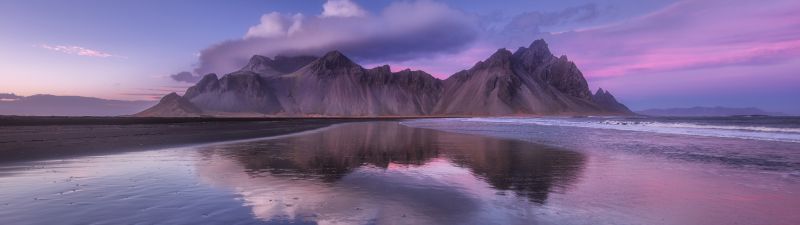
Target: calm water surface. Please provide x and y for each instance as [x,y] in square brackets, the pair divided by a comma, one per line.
[389,173]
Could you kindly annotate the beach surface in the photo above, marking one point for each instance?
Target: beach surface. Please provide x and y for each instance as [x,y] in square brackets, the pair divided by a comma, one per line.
[424,171]
[34,138]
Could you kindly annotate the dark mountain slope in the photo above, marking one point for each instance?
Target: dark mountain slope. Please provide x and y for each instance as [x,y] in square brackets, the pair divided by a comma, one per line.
[528,81]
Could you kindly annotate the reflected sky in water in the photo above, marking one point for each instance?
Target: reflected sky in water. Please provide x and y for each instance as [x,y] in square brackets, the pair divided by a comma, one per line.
[385,173]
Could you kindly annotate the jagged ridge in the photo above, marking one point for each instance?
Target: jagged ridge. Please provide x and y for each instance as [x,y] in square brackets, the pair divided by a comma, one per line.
[530,80]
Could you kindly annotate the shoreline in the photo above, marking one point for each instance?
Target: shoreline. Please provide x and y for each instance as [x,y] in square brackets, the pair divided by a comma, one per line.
[6,120]
[46,138]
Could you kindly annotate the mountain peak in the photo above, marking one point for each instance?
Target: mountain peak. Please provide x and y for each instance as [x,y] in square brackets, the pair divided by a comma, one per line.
[384,68]
[500,57]
[539,46]
[600,91]
[608,102]
[337,58]
[501,53]
[334,60]
[534,55]
[260,64]
[255,59]
[173,105]
[207,79]
[170,97]
[210,76]
[334,56]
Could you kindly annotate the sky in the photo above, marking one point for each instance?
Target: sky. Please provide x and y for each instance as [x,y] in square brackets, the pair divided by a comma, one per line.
[648,53]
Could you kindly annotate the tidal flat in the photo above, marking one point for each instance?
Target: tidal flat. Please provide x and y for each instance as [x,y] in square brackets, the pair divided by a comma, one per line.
[437,171]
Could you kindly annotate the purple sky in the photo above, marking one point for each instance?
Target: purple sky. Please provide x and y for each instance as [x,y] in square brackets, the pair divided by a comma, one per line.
[649,53]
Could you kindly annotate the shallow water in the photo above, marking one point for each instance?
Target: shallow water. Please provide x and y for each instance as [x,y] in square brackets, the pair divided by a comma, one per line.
[388,173]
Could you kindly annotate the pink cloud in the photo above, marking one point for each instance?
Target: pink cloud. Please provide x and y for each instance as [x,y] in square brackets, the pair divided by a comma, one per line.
[686,35]
[690,34]
[700,57]
[76,50]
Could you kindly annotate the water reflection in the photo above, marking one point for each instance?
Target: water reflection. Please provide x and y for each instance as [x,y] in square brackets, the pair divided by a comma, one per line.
[387,173]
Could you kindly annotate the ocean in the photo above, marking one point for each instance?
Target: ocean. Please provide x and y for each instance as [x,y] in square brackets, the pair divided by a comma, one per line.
[764,142]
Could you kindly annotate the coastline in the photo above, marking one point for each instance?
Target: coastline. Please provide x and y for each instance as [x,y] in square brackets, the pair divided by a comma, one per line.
[397,165]
[42,138]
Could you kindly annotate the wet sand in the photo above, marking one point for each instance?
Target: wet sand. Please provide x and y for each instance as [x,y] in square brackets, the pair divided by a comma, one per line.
[395,173]
[35,138]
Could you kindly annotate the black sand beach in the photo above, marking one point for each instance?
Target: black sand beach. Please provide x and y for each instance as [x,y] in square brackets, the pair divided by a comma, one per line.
[33,138]
[439,171]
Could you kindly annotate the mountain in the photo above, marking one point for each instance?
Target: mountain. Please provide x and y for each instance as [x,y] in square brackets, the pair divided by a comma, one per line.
[9,97]
[707,111]
[335,85]
[607,102]
[530,80]
[332,85]
[173,105]
[52,105]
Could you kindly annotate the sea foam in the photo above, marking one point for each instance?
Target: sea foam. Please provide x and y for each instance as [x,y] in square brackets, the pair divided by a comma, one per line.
[683,128]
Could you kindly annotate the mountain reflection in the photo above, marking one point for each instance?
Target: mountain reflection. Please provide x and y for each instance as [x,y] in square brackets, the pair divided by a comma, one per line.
[332,153]
[363,164]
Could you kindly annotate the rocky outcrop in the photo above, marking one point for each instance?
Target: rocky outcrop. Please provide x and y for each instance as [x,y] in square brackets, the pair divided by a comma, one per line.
[607,102]
[530,80]
[332,85]
[336,86]
[241,91]
[172,105]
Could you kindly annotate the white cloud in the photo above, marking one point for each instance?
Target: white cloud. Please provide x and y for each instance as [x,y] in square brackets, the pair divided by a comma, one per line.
[297,24]
[77,50]
[271,26]
[274,25]
[342,8]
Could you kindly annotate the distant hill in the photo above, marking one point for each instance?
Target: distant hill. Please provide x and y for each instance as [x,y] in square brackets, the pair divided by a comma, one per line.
[528,81]
[52,105]
[707,111]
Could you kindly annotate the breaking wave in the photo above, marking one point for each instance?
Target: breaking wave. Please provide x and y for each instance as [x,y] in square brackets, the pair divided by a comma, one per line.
[744,131]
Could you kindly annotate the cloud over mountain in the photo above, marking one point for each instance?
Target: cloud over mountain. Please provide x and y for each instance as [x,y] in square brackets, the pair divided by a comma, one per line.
[402,31]
[635,53]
